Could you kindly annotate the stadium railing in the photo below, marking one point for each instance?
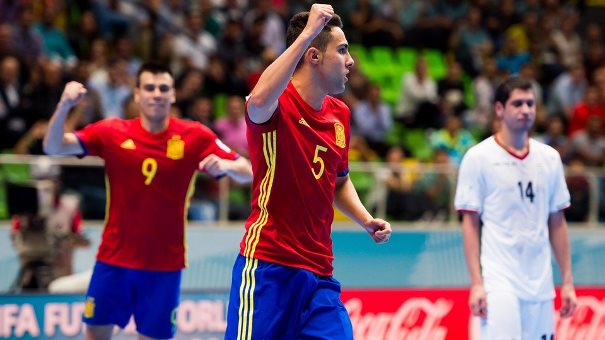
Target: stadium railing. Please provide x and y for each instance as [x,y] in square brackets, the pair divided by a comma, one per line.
[588,201]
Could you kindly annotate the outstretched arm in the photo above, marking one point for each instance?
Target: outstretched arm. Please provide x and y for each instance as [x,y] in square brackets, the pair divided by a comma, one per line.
[559,240]
[477,300]
[347,201]
[274,80]
[57,141]
[240,169]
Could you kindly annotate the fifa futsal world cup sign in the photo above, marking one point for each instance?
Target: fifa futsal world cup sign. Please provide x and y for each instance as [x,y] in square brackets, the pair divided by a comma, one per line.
[397,314]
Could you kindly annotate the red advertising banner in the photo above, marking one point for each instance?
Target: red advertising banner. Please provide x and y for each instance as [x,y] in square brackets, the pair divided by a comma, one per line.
[435,314]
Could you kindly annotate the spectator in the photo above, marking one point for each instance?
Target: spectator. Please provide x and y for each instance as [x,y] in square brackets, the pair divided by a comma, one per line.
[436,187]
[231,46]
[579,190]
[194,46]
[451,91]
[26,40]
[273,31]
[526,31]
[377,27]
[230,10]
[110,17]
[452,139]
[510,58]
[112,86]
[98,59]
[472,43]
[592,47]
[81,40]
[232,128]
[483,88]
[202,111]
[12,122]
[554,135]
[373,120]
[188,87]
[6,40]
[359,151]
[56,46]
[399,175]
[357,86]
[588,144]
[255,48]
[41,92]
[567,91]
[417,103]
[590,106]
[217,80]
[567,40]
[124,50]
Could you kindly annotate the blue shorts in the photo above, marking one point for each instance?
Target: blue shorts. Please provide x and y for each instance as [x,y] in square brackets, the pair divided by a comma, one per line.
[115,293]
[271,301]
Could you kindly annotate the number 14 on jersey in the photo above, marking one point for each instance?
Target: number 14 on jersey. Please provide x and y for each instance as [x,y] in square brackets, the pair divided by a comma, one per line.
[527,192]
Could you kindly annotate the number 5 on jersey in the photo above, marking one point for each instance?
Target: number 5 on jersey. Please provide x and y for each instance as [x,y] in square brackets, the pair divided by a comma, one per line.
[149,169]
[318,159]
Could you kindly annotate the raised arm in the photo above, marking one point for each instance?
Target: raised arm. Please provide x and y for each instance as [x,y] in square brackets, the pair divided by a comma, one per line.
[57,141]
[347,201]
[559,241]
[274,80]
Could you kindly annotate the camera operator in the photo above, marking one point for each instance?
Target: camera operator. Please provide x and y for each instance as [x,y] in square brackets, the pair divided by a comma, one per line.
[46,228]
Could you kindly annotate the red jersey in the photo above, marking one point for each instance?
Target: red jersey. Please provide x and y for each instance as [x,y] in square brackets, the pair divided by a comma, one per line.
[150,179]
[295,158]
[581,113]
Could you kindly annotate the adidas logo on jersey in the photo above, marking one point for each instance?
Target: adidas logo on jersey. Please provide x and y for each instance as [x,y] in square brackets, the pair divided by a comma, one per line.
[303,122]
[128,144]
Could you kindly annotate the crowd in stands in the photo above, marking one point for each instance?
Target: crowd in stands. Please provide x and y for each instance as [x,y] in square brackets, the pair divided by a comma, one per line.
[218,49]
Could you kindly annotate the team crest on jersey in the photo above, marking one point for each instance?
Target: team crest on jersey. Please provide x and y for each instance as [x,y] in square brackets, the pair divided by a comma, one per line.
[89,307]
[340,134]
[176,148]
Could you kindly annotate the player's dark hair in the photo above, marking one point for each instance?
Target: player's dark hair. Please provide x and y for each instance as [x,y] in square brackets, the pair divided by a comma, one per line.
[153,67]
[508,85]
[298,23]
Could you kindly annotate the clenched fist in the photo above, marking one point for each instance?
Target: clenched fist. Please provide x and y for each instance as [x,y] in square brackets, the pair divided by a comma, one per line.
[72,94]
[319,16]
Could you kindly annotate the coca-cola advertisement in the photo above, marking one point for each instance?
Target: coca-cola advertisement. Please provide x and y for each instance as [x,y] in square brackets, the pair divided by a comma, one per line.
[438,314]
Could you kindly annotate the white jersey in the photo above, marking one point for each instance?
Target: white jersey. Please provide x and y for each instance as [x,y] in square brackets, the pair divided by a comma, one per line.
[514,197]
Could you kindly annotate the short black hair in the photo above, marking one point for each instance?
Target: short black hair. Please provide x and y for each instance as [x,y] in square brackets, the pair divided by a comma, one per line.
[153,67]
[508,85]
[297,25]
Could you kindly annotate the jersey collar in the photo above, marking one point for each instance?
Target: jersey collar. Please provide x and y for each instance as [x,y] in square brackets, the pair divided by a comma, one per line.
[509,150]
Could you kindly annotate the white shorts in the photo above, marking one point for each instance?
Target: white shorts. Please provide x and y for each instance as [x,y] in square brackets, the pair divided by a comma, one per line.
[509,318]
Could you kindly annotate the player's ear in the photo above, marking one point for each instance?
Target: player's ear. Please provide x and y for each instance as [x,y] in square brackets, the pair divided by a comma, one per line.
[498,108]
[313,55]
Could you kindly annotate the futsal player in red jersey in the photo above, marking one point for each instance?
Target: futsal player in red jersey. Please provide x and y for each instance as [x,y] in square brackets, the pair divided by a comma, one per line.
[150,164]
[298,137]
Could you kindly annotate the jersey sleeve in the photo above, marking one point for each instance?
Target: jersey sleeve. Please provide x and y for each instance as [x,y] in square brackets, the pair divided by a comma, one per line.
[470,188]
[90,138]
[560,197]
[270,124]
[212,145]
